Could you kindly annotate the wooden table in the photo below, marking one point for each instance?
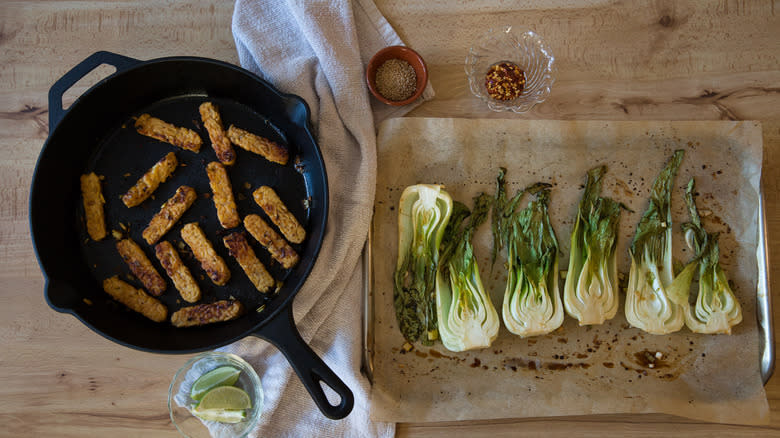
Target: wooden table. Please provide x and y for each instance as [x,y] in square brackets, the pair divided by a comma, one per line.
[617,61]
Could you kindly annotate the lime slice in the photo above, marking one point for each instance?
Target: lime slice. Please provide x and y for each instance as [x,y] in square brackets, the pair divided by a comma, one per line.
[224,397]
[222,376]
[222,415]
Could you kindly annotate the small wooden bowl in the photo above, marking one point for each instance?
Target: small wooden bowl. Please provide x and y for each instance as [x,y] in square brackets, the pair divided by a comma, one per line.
[397,52]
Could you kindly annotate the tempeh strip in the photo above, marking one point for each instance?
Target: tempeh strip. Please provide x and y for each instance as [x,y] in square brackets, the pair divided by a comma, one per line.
[148,183]
[135,299]
[164,131]
[181,276]
[262,146]
[209,114]
[169,214]
[140,266]
[269,201]
[218,311]
[223,195]
[279,249]
[201,248]
[93,206]
[239,248]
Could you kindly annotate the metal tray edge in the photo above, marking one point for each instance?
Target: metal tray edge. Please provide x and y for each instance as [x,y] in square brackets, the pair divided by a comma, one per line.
[367,365]
[764,298]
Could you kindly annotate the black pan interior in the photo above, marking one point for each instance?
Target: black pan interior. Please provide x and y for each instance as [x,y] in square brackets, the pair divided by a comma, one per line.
[97,135]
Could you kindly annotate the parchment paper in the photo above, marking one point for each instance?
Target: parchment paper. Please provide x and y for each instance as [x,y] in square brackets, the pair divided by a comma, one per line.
[576,370]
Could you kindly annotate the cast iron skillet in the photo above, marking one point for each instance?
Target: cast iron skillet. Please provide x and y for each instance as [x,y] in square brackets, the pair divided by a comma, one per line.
[96,134]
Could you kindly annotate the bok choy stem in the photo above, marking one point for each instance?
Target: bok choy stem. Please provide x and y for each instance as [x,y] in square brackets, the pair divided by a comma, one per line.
[532,303]
[467,318]
[654,294]
[590,293]
[716,309]
[423,214]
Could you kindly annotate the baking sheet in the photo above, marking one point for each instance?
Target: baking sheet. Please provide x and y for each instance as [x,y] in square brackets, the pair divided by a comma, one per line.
[575,370]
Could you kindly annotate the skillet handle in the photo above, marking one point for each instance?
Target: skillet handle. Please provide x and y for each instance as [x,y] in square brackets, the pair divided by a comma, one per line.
[280,331]
[56,112]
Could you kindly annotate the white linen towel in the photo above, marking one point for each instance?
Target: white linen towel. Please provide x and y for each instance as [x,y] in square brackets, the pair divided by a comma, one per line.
[318,50]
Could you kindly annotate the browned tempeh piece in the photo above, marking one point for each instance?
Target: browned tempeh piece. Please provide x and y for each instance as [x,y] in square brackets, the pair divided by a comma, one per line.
[239,248]
[140,266]
[182,279]
[92,197]
[201,248]
[224,310]
[223,195]
[147,184]
[169,214]
[272,151]
[135,299]
[279,249]
[164,131]
[269,201]
[219,141]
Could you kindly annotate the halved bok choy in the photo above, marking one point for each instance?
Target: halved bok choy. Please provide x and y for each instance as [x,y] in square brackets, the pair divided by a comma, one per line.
[532,302]
[716,309]
[655,296]
[591,292]
[423,213]
[466,316]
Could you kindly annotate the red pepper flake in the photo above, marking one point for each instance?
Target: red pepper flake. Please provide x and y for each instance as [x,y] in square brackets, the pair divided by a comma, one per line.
[505,81]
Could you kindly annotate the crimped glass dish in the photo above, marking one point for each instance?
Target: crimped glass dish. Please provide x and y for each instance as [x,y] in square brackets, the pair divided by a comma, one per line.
[520,46]
[180,403]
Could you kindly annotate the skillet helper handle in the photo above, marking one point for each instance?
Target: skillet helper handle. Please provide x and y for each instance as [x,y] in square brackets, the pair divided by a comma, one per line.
[56,112]
[280,331]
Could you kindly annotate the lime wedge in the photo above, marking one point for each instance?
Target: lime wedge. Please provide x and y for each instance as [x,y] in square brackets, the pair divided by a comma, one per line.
[222,376]
[224,397]
[222,415]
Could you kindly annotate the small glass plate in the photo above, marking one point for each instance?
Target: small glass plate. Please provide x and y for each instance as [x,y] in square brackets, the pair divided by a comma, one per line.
[518,45]
[180,402]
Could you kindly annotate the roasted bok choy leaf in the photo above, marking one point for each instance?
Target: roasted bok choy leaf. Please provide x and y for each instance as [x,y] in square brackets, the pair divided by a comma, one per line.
[532,303]
[423,214]
[466,316]
[716,309]
[590,293]
[655,295]
[504,210]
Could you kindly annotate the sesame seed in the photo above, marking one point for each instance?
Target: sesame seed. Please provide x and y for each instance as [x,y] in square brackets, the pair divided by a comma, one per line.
[396,80]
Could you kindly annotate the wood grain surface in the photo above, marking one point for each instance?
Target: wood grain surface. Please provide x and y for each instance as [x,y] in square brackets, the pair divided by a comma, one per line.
[649,60]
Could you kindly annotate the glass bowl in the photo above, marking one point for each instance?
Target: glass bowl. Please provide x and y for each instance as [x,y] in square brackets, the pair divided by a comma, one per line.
[518,45]
[180,403]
